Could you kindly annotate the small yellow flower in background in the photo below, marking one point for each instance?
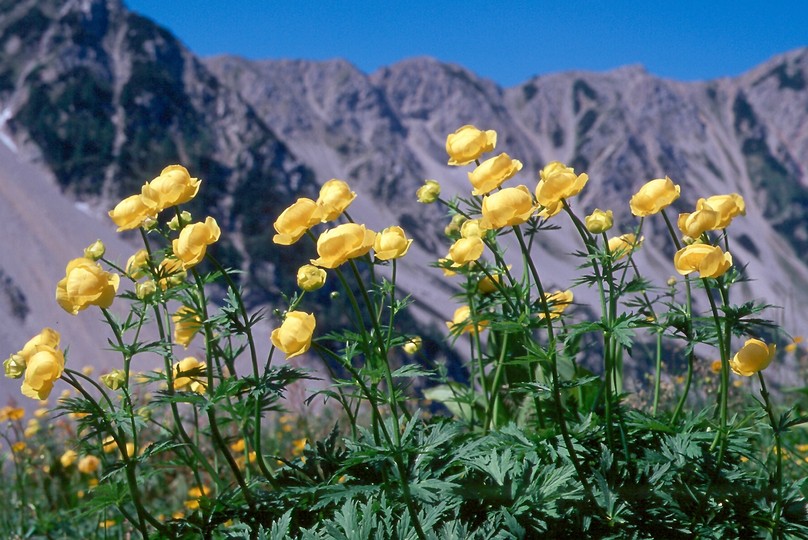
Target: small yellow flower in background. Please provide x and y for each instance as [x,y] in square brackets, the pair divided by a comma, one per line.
[754,356]
[491,173]
[178,222]
[95,250]
[696,223]
[335,197]
[429,192]
[298,445]
[87,370]
[130,213]
[310,278]
[508,207]
[186,324]
[715,367]
[293,222]
[68,458]
[138,264]
[189,374]
[171,272]
[599,221]
[654,196]
[294,335]
[466,250]
[11,414]
[109,445]
[391,243]
[42,412]
[174,186]
[488,284]
[115,379]
[32,428]
[792,347]
[709,261]
[413,345]
[191,246]
[238,446]
[461,323]
[18,447]
[89,464]
[107,524]
[557,303]
[347,241]
[86,284]
[620,246]
[197,493]
[468,143]
[728,207]
[556,182]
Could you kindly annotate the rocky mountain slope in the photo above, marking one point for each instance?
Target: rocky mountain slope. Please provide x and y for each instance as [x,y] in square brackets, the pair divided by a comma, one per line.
[101,99]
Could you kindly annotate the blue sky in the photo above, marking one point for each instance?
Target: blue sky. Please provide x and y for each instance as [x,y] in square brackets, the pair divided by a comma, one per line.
[507,41]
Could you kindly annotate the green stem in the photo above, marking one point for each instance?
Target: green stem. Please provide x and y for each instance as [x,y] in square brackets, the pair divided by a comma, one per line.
[778,506]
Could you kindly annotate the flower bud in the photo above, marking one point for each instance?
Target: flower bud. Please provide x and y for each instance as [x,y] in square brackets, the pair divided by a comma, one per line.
[14,366]
[429,192]
[95,250]
[115,379]
[145,289]
[599,221]
[413,345]
[310,278]
[178,222]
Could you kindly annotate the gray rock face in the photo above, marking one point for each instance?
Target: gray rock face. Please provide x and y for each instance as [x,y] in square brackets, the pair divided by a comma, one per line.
[104,99]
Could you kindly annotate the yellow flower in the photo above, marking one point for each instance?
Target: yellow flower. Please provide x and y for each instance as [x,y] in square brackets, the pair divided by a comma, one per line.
[145,289]
[86,284]
[709,261]
[48,338]
[487,285]
[109,445]
[335,197]
[727,206]
[32,428]
[114,379]
[293,222]
[469,143]
[68,458]
[138,264]
[186,324]
[413,345]
[471,229]
[193,241]
[556,182]
[391,243]
[715,367]
[696,223]
[44,367]
[429,192]
[89,464]
[754,356]
[294,335]
[599,221]
[171,272]
[174,186]
[654,196]
[620,246]
[461,322]
[347,241]
[130,213]
[189,374]
[466,250]
[298,445]
[508,207]
[491,173]
[11,414]
[310,278]
[557,302]
[95,250]
[238,446]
